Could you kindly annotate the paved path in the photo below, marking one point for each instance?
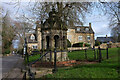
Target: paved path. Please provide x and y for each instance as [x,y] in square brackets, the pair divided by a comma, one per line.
[11,66]
[40,72]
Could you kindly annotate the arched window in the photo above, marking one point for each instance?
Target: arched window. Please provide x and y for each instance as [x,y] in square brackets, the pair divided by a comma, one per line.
[47,40]
[32,37]
[56,38]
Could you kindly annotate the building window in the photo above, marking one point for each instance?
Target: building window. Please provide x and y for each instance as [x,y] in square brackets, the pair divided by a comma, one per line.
[68,30]
[34,47]
[32,37]
[87,29]
[88,37]
[79,37]
[78,29]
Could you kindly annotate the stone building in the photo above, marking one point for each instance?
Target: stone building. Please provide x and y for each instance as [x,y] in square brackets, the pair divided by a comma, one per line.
[54,36]
[50,35]
[105,39]
[83,34]
[34,39]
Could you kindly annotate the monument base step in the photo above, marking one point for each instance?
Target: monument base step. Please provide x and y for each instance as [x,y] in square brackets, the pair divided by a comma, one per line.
[51,64]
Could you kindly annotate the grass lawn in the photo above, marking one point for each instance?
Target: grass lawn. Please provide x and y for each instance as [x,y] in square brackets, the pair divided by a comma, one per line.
[108,68]
[80,55]
[33,58]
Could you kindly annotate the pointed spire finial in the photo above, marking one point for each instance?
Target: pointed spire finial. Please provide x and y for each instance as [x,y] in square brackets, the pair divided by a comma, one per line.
[53,8]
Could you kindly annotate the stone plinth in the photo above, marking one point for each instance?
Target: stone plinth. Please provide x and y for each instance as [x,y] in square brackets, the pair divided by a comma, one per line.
[61,56]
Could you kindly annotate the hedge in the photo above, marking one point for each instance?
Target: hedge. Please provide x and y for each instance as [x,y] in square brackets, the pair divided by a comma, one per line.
[87,45]
[68,43]
[80,44]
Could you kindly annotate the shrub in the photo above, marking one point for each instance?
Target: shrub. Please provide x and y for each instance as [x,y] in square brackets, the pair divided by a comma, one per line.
[97,43]
[87,45]
[36,51]
[7,51]
[78,44]
[68,43]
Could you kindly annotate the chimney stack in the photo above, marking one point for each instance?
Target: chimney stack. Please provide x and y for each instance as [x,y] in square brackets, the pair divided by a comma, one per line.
[106,36]
[90,25]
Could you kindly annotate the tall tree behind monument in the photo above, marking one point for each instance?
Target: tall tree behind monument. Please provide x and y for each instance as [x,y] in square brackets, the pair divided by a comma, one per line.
[70,12]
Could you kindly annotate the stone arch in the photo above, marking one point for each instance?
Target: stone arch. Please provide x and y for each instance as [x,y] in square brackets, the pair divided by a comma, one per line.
[47,42]
[56,39]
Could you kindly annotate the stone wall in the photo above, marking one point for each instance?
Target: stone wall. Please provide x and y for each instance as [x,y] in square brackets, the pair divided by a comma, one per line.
[73,37]
[104,45]
[111,45]
[77,48]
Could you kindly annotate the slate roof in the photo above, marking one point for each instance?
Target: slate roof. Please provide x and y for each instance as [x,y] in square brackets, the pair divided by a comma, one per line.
[105,39]
[30,40]
[84,29]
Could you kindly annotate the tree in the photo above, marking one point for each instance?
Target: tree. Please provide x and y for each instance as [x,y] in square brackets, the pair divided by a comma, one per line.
[112,10]
[116,33]
[21,28]
[7,34]
[97,43]
[71,13]
[0,30]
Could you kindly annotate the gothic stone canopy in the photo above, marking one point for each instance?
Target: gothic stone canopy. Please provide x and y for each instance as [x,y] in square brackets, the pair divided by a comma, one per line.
[54,36]
[54,22]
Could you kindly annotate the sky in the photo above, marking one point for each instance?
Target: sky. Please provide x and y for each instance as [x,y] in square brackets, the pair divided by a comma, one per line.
[60,0]
[100,23]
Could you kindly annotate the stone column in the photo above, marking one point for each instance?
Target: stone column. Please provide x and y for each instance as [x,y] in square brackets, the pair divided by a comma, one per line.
[51,42]
[43,45]
[61,42]
[44,42]
[65,42]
